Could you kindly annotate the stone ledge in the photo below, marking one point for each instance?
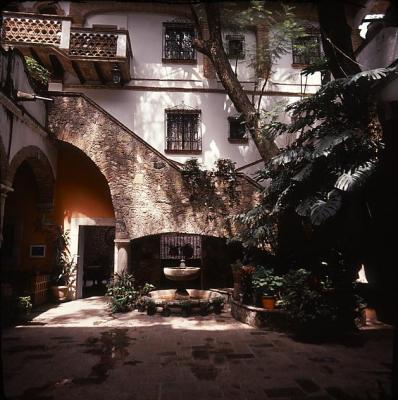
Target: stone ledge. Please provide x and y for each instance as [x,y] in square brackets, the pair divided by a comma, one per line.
[259,317]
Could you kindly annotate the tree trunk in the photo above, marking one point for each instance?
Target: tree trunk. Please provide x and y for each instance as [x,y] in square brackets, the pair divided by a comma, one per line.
[213,48]
[336,39]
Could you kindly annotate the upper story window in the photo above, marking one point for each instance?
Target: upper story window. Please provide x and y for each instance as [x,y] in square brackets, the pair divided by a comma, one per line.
[235,46]
[237,130]
[183,131]
[177,43]
[306,49]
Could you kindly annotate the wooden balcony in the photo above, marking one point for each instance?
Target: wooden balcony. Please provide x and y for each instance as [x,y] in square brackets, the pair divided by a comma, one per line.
[86,53]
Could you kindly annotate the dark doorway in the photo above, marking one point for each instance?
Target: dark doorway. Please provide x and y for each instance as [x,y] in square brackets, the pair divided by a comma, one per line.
[98,259]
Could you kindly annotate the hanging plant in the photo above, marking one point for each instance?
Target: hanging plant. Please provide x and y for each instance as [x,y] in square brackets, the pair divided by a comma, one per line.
[37,72]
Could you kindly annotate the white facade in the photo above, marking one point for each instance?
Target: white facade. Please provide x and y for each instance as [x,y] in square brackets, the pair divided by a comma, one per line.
[157,86]
[28,126]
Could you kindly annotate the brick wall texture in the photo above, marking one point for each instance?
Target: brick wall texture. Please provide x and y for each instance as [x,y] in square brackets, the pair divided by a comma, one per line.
[148,193]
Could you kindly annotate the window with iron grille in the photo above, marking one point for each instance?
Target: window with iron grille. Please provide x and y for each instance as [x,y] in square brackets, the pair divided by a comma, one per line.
[237,130]
[183,131]
[178,245]
[177,43]
[235,46]
[306,49]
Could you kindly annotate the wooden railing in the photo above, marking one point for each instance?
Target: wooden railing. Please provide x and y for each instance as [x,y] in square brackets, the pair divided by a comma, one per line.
[26,29]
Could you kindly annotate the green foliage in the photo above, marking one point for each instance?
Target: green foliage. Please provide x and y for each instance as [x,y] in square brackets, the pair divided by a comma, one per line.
[198,180]
[202,182]
[14,307]
[225,172]
[308,303]
[24,305]
[336,152]
[322,304]
[151,307]
[283,26]
[121,293]
[186,308]
[144,291]
[218,304]
[38,73]
[65,265]
[266,282]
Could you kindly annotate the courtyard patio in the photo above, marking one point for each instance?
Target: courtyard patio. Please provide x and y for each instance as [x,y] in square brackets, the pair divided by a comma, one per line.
[78,350]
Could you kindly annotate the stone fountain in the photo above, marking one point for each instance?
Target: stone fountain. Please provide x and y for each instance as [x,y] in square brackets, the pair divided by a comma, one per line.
[174,298]
[181,273]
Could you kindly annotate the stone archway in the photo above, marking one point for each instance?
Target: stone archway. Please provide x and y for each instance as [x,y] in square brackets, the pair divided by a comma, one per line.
[27,249]
[42,170]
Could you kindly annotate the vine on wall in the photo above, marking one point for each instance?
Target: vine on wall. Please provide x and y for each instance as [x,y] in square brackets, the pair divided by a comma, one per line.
[208,186]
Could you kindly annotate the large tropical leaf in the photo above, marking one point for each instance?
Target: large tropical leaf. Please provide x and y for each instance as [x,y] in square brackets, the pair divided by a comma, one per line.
[287,156]
[323,146]
[323,210]
[303,173]
[304,208]
[371,75]
[353,179]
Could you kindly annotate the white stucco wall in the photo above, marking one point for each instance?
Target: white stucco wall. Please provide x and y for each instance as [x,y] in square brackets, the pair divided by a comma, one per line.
[381,51]
[144,113]
[156,86]
[35,108]
[24,135]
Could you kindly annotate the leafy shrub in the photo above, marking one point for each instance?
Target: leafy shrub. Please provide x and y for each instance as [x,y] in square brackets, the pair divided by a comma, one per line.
[151,307]
[38,73]
[14,308]
[24,305]
[266,282]
[121,293]
[319,307]
[218,304]
[186,308]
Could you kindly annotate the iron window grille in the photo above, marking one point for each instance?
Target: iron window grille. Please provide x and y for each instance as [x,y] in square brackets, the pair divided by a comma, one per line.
[177,246]
[306,49]
[237,129]
[235,46]
[178,42]
[183,131]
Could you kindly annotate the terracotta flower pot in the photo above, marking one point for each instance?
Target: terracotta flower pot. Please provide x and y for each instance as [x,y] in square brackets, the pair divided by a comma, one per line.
[60,293]
[268,302]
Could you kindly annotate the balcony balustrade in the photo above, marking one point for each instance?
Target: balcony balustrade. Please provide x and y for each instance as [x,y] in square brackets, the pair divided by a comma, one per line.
[82,45]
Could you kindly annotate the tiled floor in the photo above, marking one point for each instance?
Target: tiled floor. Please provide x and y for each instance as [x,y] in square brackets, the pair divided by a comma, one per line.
[78,351]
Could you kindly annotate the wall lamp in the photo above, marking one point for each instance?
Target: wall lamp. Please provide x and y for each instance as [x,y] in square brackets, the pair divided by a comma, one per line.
[116,75]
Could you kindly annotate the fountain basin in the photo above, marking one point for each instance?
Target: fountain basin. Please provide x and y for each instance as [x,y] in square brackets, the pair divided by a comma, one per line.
[181,274]
[195,296]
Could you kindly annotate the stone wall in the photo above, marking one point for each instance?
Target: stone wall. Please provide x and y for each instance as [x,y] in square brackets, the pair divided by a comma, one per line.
[148,193]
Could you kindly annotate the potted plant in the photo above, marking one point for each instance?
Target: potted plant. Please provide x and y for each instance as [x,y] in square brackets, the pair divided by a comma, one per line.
[267,285]
[186,308]
[64,269]
[218,304]
[151,307]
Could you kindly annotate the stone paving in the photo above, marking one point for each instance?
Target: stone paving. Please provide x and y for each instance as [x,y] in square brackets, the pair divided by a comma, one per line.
[77,350]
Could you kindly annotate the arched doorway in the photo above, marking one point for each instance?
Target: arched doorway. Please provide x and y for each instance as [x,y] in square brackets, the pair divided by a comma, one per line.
[27,249]
[83,206]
